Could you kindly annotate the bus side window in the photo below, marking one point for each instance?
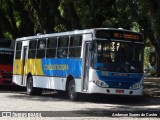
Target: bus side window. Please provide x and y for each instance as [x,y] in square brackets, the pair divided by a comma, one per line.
[51,47]
[75,46]
[41,48]
[18,50]
[62,51]
[32,49]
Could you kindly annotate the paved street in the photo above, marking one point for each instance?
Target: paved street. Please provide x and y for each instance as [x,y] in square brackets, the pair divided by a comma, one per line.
[152,87]
[15,99]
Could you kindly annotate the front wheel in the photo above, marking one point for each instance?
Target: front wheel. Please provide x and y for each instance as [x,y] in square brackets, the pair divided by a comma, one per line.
[72,94]
[30,89]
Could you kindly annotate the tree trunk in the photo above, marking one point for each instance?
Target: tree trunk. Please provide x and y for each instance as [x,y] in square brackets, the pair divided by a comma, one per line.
[155,24]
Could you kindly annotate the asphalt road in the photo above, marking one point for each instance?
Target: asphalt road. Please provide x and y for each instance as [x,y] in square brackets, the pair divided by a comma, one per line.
[57,106]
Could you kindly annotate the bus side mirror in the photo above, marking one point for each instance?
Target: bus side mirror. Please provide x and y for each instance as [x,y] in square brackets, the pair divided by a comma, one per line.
[91,46]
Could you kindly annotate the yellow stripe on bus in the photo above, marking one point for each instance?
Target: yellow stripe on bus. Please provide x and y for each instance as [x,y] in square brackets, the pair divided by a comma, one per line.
[33,66]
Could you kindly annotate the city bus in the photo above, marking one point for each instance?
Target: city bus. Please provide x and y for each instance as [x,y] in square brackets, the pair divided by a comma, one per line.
[100,60]
[6,62]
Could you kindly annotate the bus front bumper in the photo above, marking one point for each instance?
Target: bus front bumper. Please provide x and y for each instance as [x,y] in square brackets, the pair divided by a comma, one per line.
[115,91]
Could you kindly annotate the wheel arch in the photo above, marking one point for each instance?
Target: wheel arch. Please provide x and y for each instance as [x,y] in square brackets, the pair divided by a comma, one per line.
[28,75]
[69,78]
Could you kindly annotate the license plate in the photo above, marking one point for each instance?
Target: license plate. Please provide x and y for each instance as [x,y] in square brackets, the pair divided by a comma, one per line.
[119,91]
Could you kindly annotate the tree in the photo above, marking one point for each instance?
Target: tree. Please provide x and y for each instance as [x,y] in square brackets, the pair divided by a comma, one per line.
[148,17]
[154,15]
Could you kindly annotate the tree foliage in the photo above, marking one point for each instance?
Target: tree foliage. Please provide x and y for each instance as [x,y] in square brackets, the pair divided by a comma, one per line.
[23,18]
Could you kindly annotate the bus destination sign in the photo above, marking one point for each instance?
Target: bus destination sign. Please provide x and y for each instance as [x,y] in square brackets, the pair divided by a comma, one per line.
[119,35]
[126,36]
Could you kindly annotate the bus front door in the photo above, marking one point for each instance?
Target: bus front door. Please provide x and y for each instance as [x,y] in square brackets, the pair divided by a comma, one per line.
[86,65]
[25,48]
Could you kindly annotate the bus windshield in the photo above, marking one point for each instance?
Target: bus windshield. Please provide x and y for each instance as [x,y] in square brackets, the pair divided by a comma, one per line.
[118,56]
[6,57]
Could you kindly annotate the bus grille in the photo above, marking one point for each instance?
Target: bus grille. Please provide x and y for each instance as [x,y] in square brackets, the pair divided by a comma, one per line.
[124,85]
[115,82]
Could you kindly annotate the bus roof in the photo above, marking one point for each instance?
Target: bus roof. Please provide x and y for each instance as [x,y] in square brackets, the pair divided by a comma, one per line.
[85,31]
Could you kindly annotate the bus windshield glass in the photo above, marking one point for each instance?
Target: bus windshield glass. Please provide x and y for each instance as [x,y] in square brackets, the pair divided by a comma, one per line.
[6,57]
[118,56]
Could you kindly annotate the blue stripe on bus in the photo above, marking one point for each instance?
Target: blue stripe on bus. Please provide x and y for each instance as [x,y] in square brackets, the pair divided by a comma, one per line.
[62,67]
[113,79]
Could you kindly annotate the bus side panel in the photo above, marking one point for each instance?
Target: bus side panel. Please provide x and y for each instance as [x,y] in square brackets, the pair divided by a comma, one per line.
[52,73]
[33,66]
[17,79]
[57,83]
[49,82]
[53,67]
[17,71]
[62,67]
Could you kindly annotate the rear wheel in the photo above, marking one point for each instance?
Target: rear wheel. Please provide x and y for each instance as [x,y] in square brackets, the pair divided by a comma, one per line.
[30,89]
[72,94]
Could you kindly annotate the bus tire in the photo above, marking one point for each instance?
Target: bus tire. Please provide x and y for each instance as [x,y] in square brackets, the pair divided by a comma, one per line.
[32,90]
[72,94]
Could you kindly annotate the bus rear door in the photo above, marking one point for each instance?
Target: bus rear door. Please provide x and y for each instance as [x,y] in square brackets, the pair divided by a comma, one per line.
[24,57]
[86,65]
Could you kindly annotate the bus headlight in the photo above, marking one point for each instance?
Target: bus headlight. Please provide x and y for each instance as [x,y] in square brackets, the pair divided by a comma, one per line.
[136,86]
[100,83]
